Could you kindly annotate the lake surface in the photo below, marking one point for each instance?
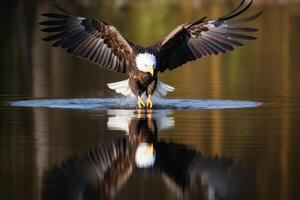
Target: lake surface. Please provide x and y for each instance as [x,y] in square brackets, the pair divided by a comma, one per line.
[230,130]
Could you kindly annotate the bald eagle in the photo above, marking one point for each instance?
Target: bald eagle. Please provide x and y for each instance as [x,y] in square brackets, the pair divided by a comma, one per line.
[102,44]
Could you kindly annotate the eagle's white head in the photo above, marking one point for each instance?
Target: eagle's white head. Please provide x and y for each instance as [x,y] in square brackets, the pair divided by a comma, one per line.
[146,62]
[145,155]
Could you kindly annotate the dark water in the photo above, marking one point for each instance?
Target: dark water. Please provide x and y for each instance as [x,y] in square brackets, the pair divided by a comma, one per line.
[221,146]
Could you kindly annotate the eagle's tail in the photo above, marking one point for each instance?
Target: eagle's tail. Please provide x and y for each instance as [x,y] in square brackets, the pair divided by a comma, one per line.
[163,89]
[123,88]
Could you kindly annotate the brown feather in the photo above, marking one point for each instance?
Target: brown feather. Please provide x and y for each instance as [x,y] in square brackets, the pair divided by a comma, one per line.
[90,39]
[203,38]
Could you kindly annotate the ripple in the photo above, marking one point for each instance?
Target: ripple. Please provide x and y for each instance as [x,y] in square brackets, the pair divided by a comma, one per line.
[129,103]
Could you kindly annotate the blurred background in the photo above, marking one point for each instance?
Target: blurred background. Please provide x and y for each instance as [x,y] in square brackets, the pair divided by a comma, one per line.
[32,68]
[265,139]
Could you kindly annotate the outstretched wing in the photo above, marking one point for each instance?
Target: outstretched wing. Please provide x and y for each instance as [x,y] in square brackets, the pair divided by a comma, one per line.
[90,39]
[201,38]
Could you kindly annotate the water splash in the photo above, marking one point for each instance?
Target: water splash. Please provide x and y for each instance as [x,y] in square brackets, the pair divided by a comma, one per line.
[130,103]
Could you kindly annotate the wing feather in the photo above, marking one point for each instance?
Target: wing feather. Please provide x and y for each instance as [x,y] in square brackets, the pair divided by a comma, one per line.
[89,39]
[197,49]
[198,52]
[200,38]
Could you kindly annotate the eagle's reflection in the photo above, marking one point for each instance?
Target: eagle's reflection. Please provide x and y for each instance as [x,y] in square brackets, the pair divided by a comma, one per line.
[102,171]
[142,129]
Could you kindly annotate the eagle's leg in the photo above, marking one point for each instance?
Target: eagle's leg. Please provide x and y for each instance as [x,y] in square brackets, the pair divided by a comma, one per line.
[149,102]
[134,86]
[140,102]
[150,90]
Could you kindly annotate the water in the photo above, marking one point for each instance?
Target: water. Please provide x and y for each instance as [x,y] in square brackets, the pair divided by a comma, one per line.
[127,103]
[229,131]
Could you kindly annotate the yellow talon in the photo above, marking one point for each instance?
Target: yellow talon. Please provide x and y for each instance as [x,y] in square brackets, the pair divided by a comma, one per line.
[149,102]
[140,102]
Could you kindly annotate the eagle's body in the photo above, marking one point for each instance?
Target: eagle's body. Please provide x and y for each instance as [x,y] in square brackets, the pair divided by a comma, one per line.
[140,80]
[103,45]
[143,79]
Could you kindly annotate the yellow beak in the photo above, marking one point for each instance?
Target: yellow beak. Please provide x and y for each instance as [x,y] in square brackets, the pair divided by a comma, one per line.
[151,70]
[150,149]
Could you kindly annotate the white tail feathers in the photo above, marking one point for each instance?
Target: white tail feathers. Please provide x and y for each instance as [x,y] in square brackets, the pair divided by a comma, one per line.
[122,87]
[162,89]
